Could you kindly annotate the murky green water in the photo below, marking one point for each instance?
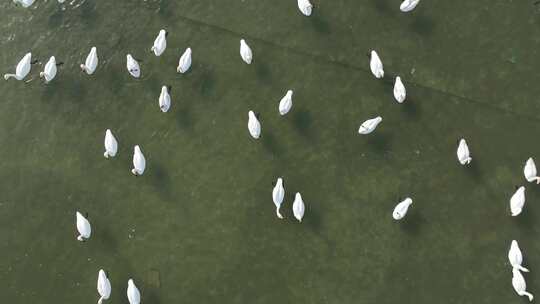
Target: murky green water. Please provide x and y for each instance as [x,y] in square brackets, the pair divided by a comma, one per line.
[199,226]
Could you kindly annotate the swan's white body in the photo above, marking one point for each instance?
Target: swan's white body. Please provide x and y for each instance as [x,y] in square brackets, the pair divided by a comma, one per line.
[24,3]
[463,154]
[139,162]
[401,209]
[399,90]
[245,52]
[133,294]
[376,66]
[133,66]
[91,62]
[408,5]
[517,201]
[530,171]
[160,43]
[277,195]
[254,126]
[298,207]
[164,99]
[185,62]
[23,68]
[518,282]
[83,227]
[305,7]
[49,72]
[515,257]
[103,286]
[285,104]
[369,125]
[111,144]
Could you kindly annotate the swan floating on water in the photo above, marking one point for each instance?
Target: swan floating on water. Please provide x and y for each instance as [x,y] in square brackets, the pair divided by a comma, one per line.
[517,201]
[139,162]
[49,72]
[298,207]
[285,104]
[103,286]
[160,44]
[91,62]
[24,3]
[305,7]
[185,62]
[23,68]
[399,90]
[408,5]
[518,282]
[530,171]
[111,144]
[133,294]
[376,66]
[245,52]
[83,227]
[165,99]
[277,195]
[133,66]
[515,257]
[463,153]
[254,126]
[369,125]
[401,209]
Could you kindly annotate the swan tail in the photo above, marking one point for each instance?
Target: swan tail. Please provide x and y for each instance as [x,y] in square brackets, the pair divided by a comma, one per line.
[80,238]
[469,159]
[134,171]
[106,154]
[537,180]
[100,300]
[279,213]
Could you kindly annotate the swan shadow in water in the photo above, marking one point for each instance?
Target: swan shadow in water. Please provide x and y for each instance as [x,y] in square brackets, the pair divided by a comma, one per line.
[161,181]
[383,6]
[422,25]
[410,107]
[379,142]
[412,222]
[184,119]
[302,121]
[263,71]
[89,15]
[319,24]
[473,170]
[526,219]
[207,81]
[56,19]
[107,240]
[270,143]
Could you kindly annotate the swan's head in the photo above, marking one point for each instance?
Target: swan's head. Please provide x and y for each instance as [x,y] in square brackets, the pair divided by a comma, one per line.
[80,238]
[289,93]
[41,74]
[83,67]
[6,76]
[53,59]
[279,182]
[108,132]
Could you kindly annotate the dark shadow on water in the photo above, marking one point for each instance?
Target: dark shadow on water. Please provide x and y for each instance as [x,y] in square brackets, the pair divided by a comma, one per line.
[411,108]
[263,71]
[208,82]
[161,180]
[271,144]
[422,25]
[319,24]
[183,118]
[88,13]
[383,5]
[413,221]
[165,10]
[57,18]
[108,241]
[302,121]
[379,142]
[473,170]
[526,219]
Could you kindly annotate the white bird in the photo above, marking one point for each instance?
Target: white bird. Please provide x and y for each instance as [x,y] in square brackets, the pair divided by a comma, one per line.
[305,7]
[139,162]
[165,99]
[369,125]
[518,282]
[91,62]
[530,171]
[133,66]
[408,5]
[515,257]
[133,294]
[376,66]
[399,90]
[277,195]
[24,3]
[185,62]
[245,52]
[23,68]
[254,126]
[298,207]
[401,209]
[49,72]
[111,144]
[83,227]
[517,201]
[463,154]
[103,286]
[160,44]
[285,104]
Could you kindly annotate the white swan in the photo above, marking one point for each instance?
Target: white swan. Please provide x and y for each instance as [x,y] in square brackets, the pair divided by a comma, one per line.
[139,162]
[515,257]
[133,294]
[369,125]
[111,144]
[408,5]
[49,72]
[23,68]
[530,171]
[185,62]
[91,62]
[463,153]
[285,104]
[518,282]
[517,201]
[277,195]
[83,227]
[24,3]
[160,44]
[254,126]
[165,99]
[103,286]
[133,66]
[401,209]
[298,207]
[245,52]
[305,7]
[376,66]
[399,90]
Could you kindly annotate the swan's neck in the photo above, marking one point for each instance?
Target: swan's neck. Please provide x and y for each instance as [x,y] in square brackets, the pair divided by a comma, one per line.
[106,154]
[80,238]
[8,76]
[278,213]
[528,294]
[522,268]
[100,300]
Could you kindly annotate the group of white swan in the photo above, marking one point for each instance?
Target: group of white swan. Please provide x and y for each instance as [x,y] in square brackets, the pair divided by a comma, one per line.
[278,195]
[111,148]
[518,281]
[104,289]
[517,201]
[254,124]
